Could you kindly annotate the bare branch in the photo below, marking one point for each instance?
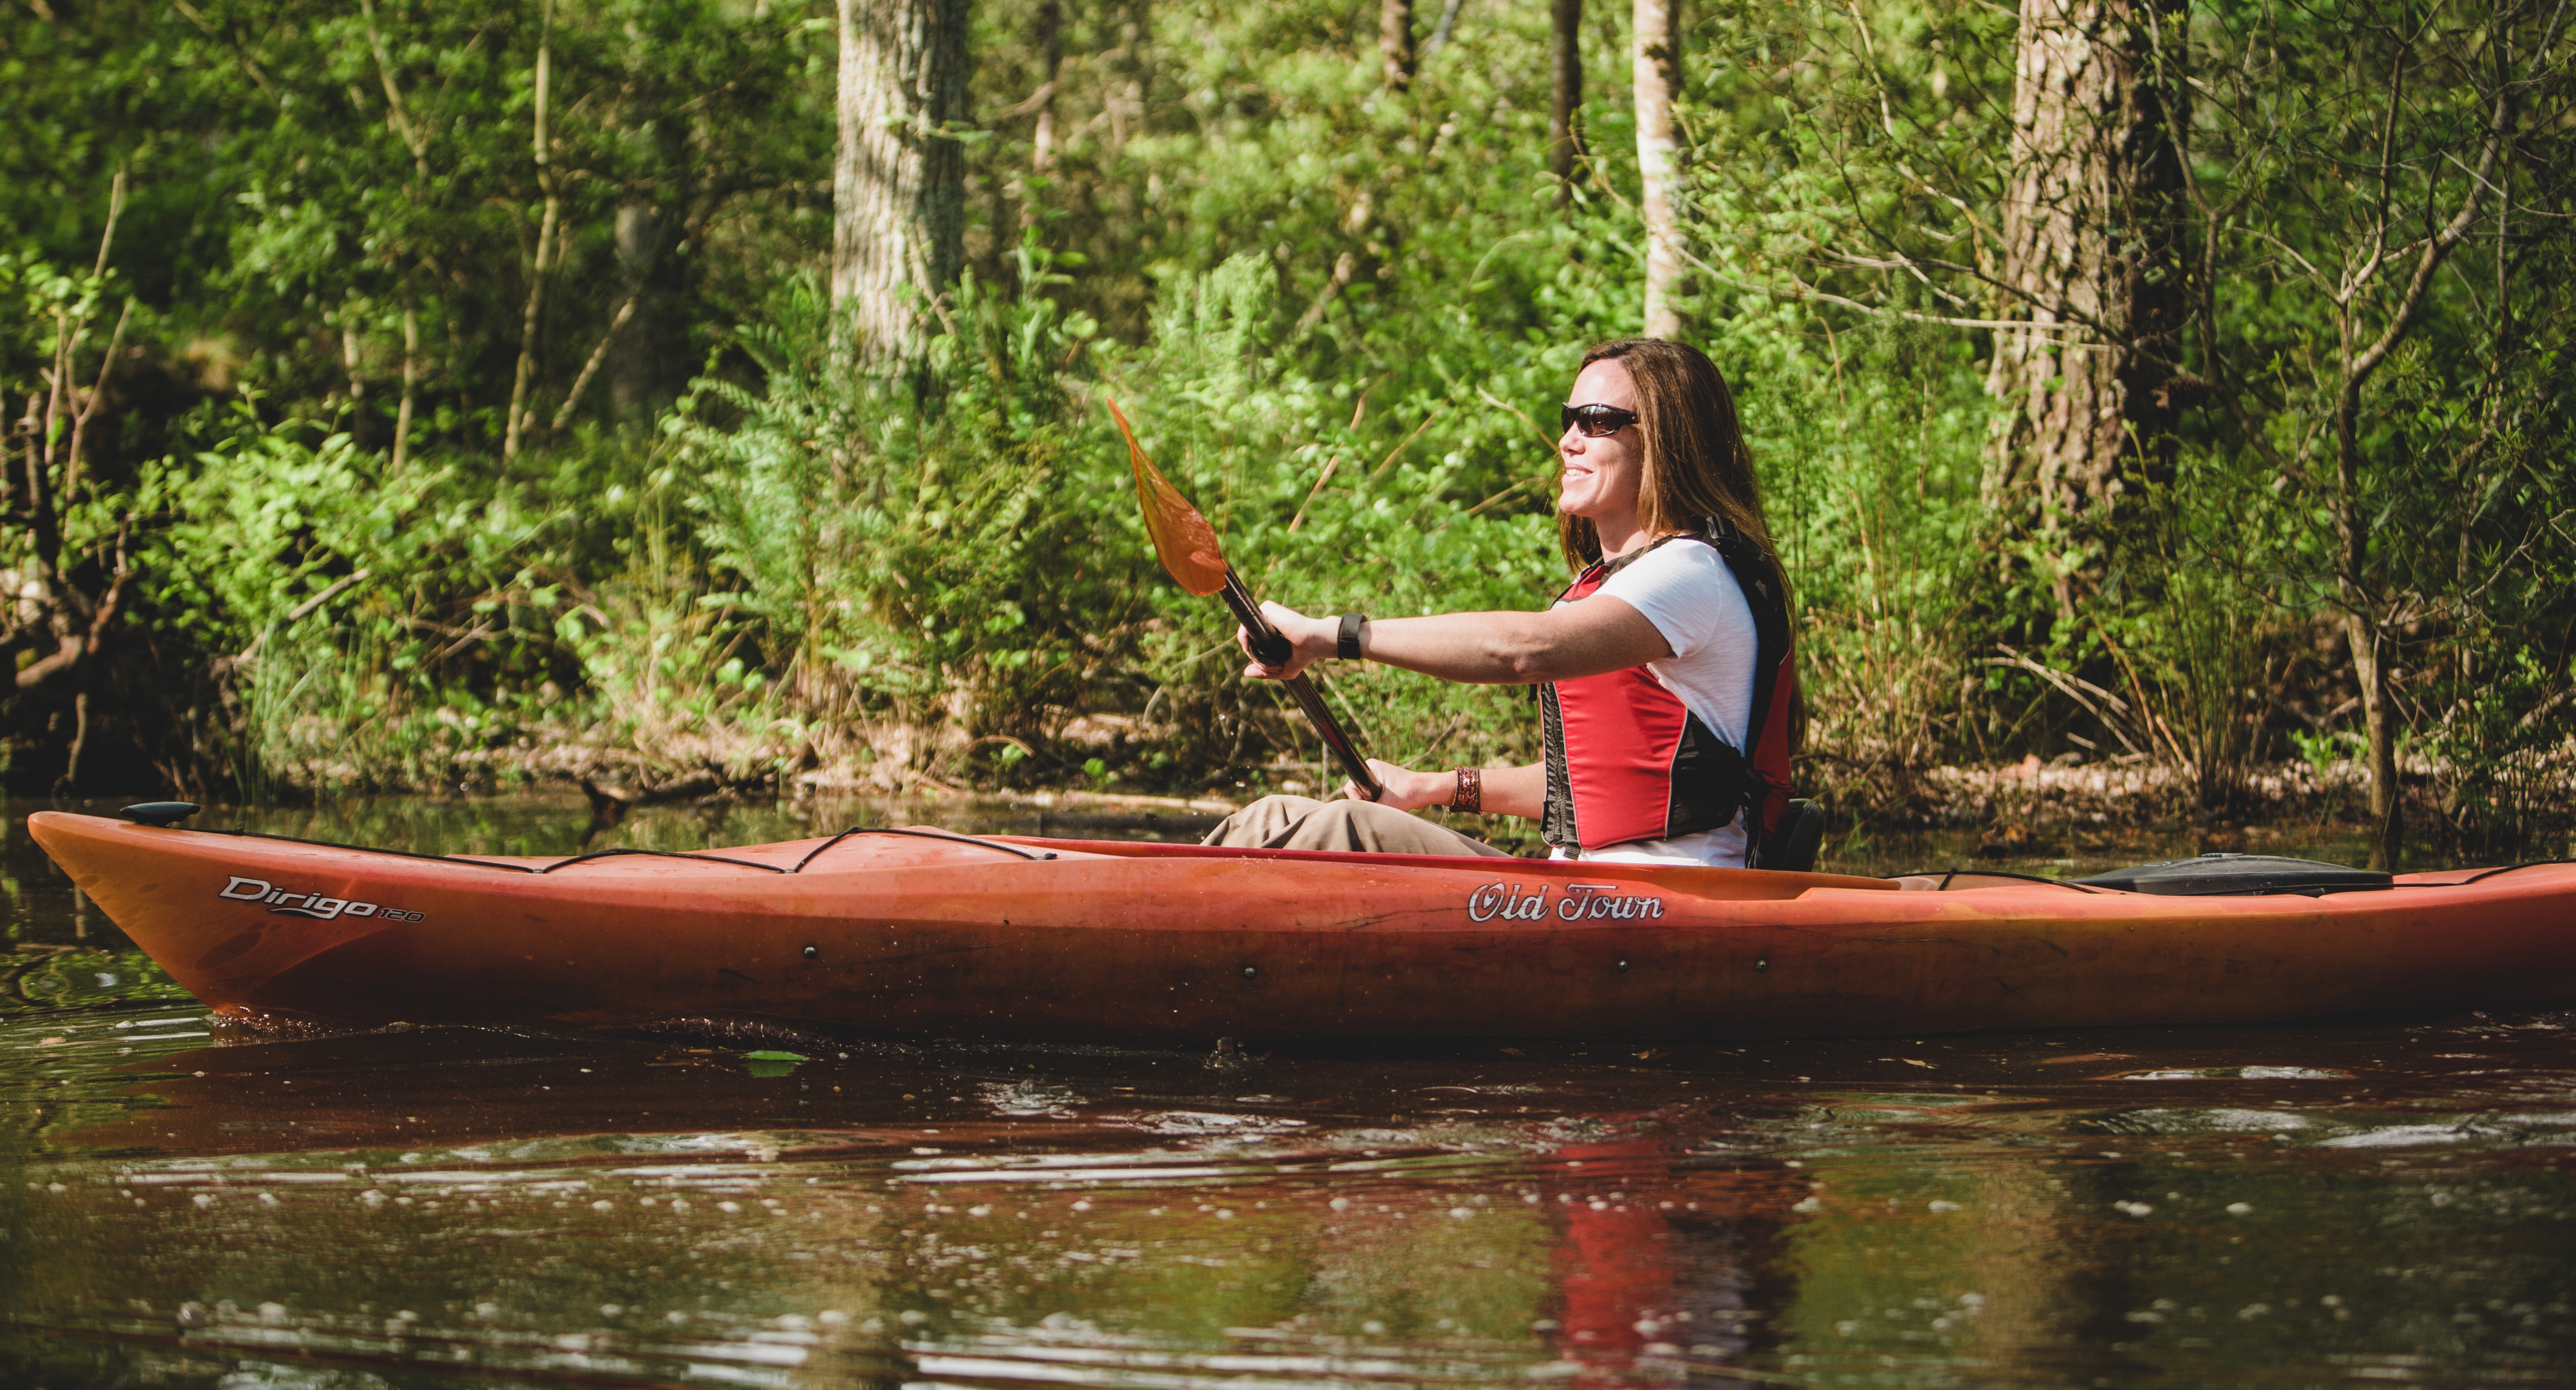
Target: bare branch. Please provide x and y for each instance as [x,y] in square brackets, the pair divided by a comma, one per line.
[413,138]
[115,209]
[1801,291]
[2438,247]
[249,64]
[589,369]
[97,394]
[297,614]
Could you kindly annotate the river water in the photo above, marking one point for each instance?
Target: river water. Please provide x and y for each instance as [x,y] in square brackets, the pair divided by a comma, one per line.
[185,1205]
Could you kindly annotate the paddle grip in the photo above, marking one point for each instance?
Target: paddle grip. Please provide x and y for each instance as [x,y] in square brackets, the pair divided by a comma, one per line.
[1271,648]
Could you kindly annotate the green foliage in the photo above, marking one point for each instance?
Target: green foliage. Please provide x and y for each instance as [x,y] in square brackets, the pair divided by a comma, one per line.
[397,627]
[305,174]
[1854,159]
[900,533]
[1869,441]
[959,539]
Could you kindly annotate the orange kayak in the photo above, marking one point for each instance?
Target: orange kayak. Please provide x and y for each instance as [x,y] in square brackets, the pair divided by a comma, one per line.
[927,934]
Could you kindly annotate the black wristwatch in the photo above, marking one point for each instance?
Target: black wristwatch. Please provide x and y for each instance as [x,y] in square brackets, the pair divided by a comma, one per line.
[1347,647]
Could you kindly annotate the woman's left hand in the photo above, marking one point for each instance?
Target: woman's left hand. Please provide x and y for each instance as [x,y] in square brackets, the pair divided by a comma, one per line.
[1310,640]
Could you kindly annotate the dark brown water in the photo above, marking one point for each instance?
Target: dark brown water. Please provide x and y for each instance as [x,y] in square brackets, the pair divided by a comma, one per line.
[2352,1202]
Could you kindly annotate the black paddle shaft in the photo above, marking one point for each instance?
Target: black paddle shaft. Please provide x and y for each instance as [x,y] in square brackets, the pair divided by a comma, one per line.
[1272,649]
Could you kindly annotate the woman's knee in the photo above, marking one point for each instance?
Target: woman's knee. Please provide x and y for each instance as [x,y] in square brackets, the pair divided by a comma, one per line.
[1364,813]
[1261,822]
[1368,826]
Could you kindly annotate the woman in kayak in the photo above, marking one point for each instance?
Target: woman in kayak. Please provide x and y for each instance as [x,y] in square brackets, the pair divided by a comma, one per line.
[1664,671]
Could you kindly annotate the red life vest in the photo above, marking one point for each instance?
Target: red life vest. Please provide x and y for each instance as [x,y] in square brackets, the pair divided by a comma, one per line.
[1628,761]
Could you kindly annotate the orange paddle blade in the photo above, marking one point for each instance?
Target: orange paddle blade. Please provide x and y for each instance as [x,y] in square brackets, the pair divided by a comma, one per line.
[1182,537]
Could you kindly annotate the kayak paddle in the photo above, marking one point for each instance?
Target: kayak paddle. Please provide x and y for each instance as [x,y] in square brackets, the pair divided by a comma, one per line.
[1188,548]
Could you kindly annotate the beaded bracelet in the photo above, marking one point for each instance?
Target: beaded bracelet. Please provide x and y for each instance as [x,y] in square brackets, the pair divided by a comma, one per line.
[1470,795]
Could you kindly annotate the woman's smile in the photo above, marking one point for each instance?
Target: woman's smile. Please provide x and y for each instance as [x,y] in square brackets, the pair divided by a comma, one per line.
[1602,474]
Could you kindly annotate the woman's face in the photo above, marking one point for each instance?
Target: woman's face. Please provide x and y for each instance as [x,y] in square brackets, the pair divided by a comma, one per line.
[1602,476]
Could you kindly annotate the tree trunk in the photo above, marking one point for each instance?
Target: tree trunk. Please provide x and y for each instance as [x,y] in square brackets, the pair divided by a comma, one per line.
[514,430]
[1658,76]
[351,361]
[898,177]
[2379,724]
[1565,106]
[648,358]
[1042,141]
[1441,31]
[2091,262]
[1051,44]
[411,386]
[1395,42]
[2367,622]
[634,376]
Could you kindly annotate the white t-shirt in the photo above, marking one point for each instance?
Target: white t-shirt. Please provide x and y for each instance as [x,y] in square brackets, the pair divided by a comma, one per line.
[1685,589]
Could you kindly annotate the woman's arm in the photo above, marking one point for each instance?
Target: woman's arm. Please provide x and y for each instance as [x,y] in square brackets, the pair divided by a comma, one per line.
[1508,791]
[1587,637]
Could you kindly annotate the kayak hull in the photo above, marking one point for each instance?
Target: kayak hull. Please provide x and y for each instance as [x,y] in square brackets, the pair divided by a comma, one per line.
[923,935]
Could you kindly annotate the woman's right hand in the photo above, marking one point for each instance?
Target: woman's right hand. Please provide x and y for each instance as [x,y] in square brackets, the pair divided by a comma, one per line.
[1406,790]
[1309,640]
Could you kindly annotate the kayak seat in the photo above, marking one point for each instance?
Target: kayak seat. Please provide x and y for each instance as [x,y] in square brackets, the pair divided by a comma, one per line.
[1793,850]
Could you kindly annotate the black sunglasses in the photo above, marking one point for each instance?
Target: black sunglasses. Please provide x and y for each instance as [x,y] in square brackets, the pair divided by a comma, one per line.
[1595,421]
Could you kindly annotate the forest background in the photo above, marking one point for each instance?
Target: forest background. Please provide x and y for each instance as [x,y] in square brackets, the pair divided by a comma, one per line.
[708,393]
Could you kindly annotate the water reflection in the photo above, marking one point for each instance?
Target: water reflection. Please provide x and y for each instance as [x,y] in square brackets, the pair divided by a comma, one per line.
[188,1206]
[410,1207]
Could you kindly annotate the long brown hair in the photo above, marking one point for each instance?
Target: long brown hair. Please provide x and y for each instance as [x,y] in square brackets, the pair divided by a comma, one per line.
[1696,462]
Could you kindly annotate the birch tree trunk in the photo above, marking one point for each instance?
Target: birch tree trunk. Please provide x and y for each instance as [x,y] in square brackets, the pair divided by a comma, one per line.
[2090,263]
[548,227]
[1042,141]
[1565,105]
[1051,44]
[410,386]
[1658,74]
[352,361]
[898,179]
[415,139]
[1395,42]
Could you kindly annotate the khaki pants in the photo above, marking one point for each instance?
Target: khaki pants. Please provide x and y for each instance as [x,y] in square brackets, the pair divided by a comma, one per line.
[1298,822]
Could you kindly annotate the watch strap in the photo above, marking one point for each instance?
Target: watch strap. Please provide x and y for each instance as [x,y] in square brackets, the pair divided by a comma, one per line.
[1347,646]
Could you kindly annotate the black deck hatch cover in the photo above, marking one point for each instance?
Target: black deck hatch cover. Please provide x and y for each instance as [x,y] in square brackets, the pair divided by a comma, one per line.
[2239,875]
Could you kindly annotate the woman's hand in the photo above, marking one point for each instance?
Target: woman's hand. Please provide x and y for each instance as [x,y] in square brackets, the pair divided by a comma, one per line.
[1310,640]
[1406,790]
